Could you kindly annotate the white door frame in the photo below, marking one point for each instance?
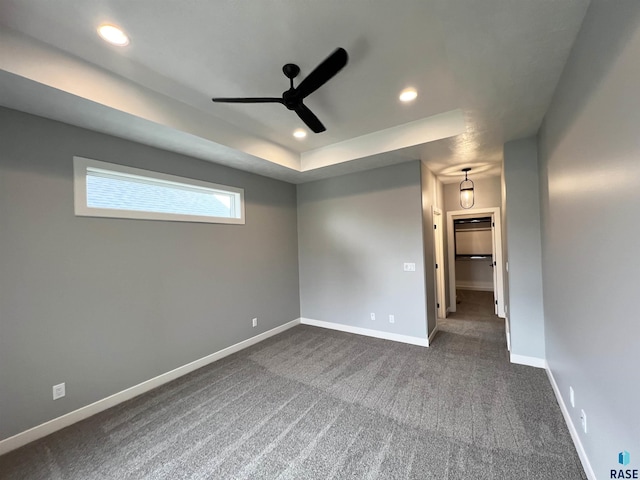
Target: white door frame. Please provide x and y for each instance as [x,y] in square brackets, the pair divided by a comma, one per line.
[494,213]
[438,251]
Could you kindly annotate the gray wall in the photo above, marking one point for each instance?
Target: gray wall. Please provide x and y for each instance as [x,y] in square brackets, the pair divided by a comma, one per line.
[487,193]
[474,274]
[355,232]
[590,177]
[526,315]
[104,304]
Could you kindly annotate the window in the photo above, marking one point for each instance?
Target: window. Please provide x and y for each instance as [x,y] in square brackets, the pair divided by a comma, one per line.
[109,190]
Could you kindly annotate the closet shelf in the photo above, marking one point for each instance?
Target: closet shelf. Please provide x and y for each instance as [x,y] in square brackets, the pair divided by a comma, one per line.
[474,257]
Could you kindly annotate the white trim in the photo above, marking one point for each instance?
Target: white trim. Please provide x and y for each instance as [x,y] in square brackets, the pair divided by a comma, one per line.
[475,286]
[572,428]
[438,254]
[529,361]
[81,167]
[507,332]
[70,418]
[421,342]
[433,334]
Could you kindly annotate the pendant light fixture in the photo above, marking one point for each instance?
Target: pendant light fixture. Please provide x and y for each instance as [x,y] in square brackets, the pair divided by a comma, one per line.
[466,191]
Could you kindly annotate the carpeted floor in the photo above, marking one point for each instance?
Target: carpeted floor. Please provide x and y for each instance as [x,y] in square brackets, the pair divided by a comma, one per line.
[474,305]
[319,404]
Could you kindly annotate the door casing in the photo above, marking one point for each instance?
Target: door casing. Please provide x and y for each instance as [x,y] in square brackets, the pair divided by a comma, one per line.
[438,232]
[498,286]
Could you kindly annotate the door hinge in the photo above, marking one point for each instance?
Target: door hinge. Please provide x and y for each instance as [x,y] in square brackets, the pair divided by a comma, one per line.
[435,226]
[496,302]
[493,224]
[436,265]
[437,305]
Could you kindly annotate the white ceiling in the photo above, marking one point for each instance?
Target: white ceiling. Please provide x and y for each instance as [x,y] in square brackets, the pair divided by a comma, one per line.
[485,73]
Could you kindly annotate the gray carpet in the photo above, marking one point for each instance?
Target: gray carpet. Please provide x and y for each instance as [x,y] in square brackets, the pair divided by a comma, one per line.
[318,404]
[474,305]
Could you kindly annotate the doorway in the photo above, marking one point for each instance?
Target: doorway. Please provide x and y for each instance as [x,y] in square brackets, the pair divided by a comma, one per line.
[491,238]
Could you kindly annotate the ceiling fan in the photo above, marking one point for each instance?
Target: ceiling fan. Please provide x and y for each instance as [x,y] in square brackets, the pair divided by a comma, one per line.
[292,98]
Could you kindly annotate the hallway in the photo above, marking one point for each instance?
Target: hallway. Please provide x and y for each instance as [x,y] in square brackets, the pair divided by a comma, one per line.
[474,305]
[474,329]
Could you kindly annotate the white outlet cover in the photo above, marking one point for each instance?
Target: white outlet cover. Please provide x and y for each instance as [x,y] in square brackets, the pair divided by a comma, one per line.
[572,397]
[583,419]
[373,316]
[59,391]
[409,267]
[254,322]
[392,319]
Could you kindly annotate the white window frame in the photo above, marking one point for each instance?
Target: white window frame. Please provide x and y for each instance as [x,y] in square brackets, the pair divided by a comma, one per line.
[82,165]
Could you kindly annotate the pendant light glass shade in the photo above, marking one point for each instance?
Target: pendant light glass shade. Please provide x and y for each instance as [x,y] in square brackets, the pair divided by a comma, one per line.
[466,191]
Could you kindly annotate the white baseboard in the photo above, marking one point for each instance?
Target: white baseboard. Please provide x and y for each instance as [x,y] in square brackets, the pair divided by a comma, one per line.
[422,342]
[477,286]
[70,418]
[529,361]
[433,334]
[507,331]
[572,428]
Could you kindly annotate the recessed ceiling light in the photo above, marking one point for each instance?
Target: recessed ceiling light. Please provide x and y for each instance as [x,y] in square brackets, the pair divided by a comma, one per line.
[113,35]
[408,95]
[299,133]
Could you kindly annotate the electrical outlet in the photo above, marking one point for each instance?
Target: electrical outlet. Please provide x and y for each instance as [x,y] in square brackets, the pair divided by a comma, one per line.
[392,319]
[254,322]
[409,267]
[572,397]
[373,316]
[583,419]
[58,391]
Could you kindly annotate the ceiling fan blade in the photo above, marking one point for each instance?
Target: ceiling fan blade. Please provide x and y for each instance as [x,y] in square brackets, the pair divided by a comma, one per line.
[309,118]
[323,72]
[249,100]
